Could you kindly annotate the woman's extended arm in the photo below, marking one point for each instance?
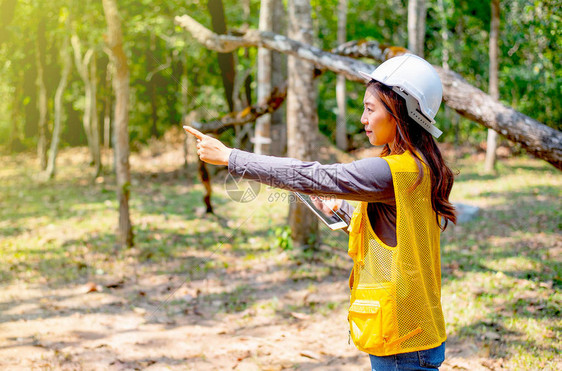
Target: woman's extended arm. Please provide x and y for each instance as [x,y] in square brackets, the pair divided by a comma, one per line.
[367,180]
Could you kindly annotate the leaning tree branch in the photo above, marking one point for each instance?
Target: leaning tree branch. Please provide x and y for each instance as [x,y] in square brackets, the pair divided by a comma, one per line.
[249,114]
[538,139]
[266,39]
[369,49]
[278,94]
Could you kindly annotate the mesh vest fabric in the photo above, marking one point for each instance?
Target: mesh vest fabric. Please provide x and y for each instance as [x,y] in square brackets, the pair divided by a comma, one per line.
[396,291]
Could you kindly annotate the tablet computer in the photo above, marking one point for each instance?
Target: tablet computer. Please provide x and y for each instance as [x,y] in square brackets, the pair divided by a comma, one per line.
[333,221]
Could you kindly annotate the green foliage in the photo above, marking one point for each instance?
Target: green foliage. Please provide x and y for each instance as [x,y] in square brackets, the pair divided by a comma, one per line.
[531,67]
[171,75]
[282,238]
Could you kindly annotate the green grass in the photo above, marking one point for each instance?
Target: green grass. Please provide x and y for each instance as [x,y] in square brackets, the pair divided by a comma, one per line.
[501,272]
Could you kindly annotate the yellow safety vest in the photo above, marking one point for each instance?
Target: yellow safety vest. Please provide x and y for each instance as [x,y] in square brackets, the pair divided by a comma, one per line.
[396,291]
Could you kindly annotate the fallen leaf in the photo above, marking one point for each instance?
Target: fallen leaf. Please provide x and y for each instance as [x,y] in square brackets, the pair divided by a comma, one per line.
[139,310]
[91,287]
[115,285]
[310,354]
[302,316]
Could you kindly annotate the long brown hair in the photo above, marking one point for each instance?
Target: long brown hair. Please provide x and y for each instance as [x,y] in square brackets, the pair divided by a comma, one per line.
[412,137]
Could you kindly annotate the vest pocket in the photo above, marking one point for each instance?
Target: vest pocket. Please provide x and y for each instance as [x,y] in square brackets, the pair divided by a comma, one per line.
[365,320]
[372,318]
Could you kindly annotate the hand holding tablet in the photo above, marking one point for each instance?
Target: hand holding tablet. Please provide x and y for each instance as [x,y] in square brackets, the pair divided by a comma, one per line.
[324,209]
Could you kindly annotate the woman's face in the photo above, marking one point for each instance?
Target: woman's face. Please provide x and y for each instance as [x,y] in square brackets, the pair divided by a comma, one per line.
[380,126]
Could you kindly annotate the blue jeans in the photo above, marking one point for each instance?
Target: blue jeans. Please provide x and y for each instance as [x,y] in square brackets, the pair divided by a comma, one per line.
[429,359]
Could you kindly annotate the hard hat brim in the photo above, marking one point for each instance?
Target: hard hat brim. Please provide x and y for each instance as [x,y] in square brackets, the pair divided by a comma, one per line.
[367,76]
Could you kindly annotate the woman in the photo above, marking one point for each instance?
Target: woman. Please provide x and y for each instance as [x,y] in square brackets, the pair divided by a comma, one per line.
[395,311]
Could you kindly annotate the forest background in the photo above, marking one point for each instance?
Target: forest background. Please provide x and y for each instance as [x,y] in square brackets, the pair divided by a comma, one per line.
[75,296]
[159,54]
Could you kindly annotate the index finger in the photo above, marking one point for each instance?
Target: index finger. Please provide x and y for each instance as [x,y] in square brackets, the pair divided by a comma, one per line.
[194,132]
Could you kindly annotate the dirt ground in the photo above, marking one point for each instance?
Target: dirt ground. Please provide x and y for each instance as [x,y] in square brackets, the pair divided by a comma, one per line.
[89,327]
[249,317]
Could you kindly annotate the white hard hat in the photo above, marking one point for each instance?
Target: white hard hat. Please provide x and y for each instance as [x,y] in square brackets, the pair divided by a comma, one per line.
[414,79]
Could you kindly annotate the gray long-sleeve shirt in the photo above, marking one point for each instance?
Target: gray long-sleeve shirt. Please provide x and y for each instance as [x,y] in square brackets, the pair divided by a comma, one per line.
[368,180]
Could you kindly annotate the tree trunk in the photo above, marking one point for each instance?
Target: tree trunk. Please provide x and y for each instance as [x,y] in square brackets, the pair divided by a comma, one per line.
[66,64]
[538,139]
[107,111]
[246,97]
[490,162]
[7,10]
[262,136]
[172,99]
[151,86]
[82,63]
[226,65]
[185,107]
[226,60]
[341,123]
[15,136]
[444,33]
[416,26]
[41,95]
[278,146]
[241,94]
[94,123]
[240,101]
[451,118]
[302,120]
[121,88]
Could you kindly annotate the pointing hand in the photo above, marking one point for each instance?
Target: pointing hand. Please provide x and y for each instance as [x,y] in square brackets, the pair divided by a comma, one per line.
[209,149]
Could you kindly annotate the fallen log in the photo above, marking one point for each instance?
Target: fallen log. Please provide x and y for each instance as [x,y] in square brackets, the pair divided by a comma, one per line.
[538,139]
[278,94]
[247,115]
